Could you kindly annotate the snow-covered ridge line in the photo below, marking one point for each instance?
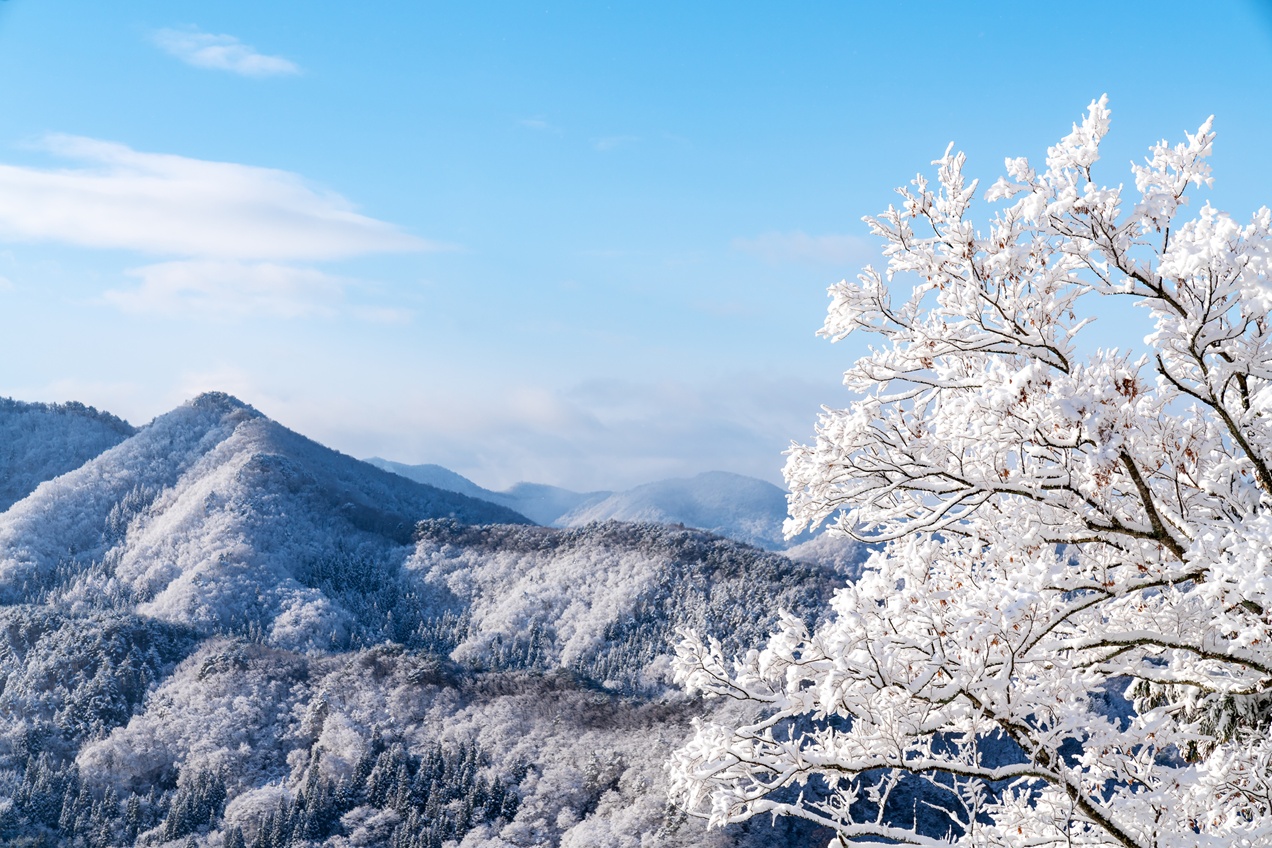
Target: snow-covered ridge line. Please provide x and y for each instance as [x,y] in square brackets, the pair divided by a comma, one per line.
[210,517]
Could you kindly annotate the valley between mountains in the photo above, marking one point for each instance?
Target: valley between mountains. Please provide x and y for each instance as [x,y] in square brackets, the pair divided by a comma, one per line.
[217,632]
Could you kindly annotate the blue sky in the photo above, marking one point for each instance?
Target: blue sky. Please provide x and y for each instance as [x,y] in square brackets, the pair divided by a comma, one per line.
[581,244]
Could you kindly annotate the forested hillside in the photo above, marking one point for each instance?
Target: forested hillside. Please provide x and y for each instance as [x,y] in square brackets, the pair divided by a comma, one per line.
[219,633]
[39,441]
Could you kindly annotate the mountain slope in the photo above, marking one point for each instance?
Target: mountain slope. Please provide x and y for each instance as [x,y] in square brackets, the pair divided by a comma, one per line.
[206,518]
[605,599]
[552,682]
[40,441]
[498,759]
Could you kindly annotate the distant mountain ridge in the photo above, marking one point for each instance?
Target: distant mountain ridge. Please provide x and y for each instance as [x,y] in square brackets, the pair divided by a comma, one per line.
[737,507]
[731,505]
[540,503]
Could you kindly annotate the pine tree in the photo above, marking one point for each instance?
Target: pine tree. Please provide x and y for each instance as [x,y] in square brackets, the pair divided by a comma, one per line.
[132,819]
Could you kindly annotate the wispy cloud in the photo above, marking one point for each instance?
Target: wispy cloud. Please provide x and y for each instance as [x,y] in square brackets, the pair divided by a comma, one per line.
[220,289]
[221,53]
[538,123]
[117,197]
[241,238]
[801,247]
[383,314]
[5,284]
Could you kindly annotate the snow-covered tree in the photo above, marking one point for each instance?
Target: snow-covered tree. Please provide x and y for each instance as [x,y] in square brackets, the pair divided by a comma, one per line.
[1064,636]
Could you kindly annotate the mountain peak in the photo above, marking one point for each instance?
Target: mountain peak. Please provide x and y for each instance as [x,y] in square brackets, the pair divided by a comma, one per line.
[219,402]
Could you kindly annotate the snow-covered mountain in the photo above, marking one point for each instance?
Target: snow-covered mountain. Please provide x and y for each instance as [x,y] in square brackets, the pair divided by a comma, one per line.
[542,651]
[217,632]
[39,441]
[209,517]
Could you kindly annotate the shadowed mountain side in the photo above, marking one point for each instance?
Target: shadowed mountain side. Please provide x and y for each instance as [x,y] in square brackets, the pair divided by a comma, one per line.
[204,517]
[40,441]
[365,741]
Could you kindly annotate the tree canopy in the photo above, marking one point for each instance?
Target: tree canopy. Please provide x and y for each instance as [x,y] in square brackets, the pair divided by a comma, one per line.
[1064,635]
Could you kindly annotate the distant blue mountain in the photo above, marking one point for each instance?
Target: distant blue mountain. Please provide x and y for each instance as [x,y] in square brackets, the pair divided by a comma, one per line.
[741,508]
[540,503]
[731,505]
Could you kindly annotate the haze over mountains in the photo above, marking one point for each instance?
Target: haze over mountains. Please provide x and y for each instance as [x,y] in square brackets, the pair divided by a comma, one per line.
[214,631]
[741,508]
[540,503]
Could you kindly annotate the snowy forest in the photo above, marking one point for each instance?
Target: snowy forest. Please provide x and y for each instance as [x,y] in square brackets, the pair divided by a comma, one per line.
[216,632]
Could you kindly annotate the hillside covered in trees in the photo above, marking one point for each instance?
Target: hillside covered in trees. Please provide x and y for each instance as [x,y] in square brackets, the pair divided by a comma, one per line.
[215,632]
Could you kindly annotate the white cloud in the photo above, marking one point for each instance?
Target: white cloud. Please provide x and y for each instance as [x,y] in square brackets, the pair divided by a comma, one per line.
[5,284]
[221,53]
[801,247]
[117,197]
[540,124]
[221,289]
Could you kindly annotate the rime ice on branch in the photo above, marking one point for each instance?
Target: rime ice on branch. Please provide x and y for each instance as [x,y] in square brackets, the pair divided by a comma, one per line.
[1054,530]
